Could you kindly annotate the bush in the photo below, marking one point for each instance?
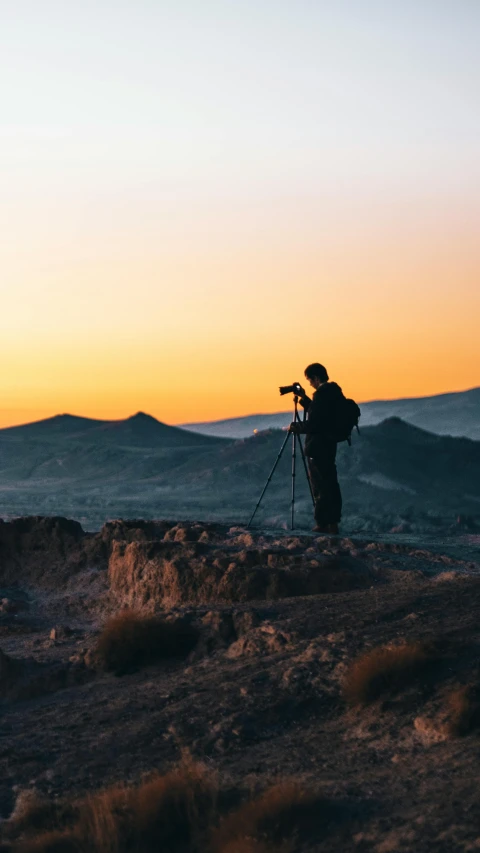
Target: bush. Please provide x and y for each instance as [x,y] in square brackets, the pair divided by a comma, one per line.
[169,812]
[463,710]
[385,670]
[260,825]
[130,640]
[177,812]
[34,813]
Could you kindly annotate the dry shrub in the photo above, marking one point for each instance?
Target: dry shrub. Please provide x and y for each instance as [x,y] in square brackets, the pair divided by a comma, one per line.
[130,640]
[174,811]
[269,820]
[170,812]
[463,710]
[385,670]
[178,812]
[105,820]
[33,813]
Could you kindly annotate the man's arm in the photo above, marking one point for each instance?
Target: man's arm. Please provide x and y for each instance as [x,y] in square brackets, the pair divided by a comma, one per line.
[305,401]
[316,418]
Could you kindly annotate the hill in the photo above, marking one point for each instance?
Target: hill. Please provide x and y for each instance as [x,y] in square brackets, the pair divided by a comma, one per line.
[391,466]
[394,474]
[140,430]
[455,414]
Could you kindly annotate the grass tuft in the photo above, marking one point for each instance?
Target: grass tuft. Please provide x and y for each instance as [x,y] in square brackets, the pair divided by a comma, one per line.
[270,820]
[167,812]
[385,669]
[179,812]
[463,710]
[33,813]
[130,640]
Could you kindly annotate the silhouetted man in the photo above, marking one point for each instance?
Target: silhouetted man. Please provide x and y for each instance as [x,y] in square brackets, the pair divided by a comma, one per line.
[321,447]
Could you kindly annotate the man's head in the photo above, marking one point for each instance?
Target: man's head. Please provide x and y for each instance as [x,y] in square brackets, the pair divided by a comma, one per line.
[316,374]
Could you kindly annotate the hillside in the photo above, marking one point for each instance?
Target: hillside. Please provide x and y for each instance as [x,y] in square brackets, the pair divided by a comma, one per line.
[269,691]
[456,414]
[394,474]
[392,467]
[140,430]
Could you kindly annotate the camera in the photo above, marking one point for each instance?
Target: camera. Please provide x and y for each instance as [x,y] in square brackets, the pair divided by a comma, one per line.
[294,388]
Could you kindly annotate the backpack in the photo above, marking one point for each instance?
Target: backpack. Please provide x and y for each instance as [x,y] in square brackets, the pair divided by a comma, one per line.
[347,415]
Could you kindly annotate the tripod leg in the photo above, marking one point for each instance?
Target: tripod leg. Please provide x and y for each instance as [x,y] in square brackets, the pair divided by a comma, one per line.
[306,470]
[269,478]
[294,459]
[297,418]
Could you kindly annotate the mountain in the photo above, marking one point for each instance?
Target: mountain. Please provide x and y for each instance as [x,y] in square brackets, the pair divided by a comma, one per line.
[74,450]
[391,457]
[140,430]
[393,473]
[58,427]
[457,413]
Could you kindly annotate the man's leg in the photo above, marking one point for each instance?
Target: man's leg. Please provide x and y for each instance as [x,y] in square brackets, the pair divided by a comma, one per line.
[326,490]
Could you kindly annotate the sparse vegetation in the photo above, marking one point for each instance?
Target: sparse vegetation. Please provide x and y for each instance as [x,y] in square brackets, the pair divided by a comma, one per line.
[170,811]
[178,812]
[130,640]
[34,813]
[385,669]
[463,710]
[268,821]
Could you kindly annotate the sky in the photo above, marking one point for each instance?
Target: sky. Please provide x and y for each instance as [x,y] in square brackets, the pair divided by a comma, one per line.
[198,198]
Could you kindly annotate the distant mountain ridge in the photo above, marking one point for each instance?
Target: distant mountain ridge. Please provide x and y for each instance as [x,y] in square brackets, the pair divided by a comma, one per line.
[139,430]
[96,470]
[456,413]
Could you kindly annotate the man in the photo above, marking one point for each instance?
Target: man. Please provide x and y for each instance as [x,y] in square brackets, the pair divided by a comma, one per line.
[321,447]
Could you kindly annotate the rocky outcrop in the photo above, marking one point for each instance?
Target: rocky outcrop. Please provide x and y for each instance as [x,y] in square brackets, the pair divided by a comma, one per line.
[44,551]
[171,573]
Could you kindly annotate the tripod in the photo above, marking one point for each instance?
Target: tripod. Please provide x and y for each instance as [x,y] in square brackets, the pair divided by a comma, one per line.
[295,438]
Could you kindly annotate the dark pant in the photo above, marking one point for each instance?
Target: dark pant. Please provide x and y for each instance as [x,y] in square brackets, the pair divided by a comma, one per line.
[326,491]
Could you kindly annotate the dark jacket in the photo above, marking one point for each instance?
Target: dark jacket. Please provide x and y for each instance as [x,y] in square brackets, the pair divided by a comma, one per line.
[321,412]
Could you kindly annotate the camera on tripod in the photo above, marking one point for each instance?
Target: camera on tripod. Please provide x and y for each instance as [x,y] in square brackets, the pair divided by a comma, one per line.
[294,388]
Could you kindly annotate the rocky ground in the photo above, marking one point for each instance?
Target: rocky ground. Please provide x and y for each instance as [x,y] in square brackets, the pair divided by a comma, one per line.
[262,696]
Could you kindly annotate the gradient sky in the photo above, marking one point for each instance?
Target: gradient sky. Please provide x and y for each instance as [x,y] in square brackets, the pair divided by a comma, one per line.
[200,198]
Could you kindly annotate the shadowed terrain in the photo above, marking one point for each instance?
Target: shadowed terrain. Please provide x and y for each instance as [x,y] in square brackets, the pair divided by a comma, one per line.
[344,670]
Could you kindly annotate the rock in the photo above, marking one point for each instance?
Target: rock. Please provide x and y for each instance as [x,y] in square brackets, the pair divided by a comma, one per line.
[245,539]
[218,631]
[263,640]
[41,551]
[60,632]
[430,729]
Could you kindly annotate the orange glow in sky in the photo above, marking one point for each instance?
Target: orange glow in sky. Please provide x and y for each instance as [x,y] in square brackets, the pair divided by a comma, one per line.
[181,233]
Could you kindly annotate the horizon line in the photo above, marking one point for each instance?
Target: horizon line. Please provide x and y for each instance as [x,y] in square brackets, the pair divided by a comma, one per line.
[233,418]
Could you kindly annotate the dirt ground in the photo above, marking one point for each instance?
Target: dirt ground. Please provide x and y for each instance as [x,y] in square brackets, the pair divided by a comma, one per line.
[261,698]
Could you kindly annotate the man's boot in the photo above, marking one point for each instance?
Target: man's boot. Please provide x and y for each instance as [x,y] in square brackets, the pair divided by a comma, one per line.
[333,528]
